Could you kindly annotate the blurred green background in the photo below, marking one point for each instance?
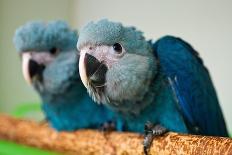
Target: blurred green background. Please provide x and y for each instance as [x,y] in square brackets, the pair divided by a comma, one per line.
[205,24]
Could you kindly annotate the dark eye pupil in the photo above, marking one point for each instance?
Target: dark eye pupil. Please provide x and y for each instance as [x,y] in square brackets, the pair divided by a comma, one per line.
[53,50]
[117,47]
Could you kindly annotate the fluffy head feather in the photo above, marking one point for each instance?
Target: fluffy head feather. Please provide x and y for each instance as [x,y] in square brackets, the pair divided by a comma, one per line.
[43,36]
[130,72]
[104,32]
[38,38]
[66,104]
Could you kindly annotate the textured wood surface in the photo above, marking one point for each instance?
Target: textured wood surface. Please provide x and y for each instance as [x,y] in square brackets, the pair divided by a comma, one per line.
[92,142]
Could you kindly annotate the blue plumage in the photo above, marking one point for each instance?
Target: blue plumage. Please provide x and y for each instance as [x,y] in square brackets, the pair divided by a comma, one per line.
[43,36]
[165,83]
[192,86]
[48,51]
[187,102]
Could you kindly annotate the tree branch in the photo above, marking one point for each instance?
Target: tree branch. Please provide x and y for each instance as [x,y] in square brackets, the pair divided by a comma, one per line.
[91,142]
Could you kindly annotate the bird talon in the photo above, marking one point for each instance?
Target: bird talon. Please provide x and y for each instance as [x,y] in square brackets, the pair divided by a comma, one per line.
[108,126]
[151,131]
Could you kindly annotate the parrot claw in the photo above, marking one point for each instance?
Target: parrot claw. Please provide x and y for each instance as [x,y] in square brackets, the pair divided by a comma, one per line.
[151,131]
[108,126]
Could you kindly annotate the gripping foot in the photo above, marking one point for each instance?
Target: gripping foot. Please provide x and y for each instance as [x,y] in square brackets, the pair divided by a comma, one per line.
[151,131]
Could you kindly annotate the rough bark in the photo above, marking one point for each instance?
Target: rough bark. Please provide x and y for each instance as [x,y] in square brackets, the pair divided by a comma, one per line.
[92,142]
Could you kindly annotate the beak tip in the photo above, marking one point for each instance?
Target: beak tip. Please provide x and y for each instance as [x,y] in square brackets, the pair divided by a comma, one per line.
[82,69]
[25,63]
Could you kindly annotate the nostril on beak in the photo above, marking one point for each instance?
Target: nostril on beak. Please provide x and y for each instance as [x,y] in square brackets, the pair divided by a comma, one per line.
[35,68]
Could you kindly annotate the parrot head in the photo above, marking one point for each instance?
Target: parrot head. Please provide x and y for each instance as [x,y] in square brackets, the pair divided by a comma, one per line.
[116,63]
[48,54]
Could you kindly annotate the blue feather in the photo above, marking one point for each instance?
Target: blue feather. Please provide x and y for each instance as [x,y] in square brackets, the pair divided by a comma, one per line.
[65,101]
[192,85]
[164,83]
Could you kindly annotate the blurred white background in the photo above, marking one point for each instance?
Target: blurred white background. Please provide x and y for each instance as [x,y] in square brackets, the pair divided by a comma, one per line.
[206,25]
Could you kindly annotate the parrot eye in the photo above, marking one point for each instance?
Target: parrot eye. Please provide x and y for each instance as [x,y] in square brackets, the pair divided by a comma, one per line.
[53,51]
[117,48]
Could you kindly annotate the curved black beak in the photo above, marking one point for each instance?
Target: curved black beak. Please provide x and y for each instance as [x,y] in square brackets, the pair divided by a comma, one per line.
[31,68]
[94,70]
[35,69]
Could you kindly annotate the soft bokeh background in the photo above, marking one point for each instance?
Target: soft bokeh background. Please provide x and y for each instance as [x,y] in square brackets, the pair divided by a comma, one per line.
[204,24]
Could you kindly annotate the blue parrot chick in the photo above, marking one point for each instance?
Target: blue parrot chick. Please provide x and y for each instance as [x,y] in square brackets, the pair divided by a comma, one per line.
[49,59]
[164,83]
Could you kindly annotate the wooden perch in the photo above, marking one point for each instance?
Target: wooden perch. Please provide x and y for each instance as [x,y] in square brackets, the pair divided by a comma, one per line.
[92,142]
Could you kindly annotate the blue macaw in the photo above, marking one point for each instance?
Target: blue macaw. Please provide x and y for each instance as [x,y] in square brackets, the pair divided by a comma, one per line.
[49,60]
[164,83]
